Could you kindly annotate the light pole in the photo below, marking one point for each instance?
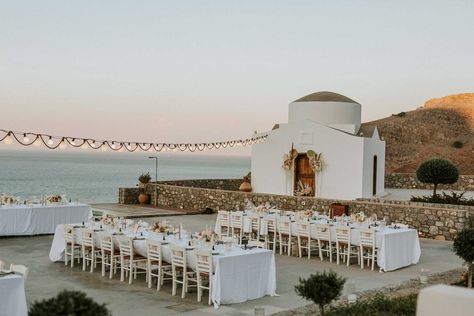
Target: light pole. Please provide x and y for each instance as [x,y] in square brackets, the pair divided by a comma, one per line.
[156,177]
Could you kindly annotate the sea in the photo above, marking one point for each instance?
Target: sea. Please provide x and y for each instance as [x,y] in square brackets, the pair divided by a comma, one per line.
[91,177]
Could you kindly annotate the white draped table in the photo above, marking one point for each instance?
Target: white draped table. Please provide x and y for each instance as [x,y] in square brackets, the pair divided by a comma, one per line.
[239,274]
[397,248]
[12,295]
[40,219]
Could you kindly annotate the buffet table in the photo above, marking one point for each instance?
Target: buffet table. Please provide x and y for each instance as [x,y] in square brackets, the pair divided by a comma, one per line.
[12,295]
[40,219]
[239,274]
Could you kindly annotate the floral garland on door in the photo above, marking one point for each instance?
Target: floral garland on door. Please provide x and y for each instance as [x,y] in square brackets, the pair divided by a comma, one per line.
[315,161]
[289,159]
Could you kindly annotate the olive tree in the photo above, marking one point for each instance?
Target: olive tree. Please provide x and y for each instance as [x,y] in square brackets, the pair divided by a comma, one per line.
[321,288]
[463,246]
[437,171]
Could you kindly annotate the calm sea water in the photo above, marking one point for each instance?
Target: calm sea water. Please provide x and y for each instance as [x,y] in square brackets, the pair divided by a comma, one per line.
[96,177]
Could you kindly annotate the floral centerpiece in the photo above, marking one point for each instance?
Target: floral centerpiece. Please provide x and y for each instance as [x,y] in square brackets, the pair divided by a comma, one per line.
[308,214]
[54,199]
[304,189]
[264,208]
[207,235]
[160,227]
[358,217]
[107,219]
[8,199]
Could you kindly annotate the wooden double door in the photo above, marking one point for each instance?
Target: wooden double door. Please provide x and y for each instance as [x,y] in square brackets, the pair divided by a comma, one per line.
[304,173]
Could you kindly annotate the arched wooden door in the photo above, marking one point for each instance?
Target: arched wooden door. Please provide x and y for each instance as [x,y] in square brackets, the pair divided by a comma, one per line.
[304,173]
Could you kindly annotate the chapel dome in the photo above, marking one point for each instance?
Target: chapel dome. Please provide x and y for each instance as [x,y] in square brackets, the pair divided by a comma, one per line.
[325,96]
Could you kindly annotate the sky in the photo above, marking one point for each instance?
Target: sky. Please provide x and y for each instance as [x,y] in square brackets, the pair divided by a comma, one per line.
[197,71]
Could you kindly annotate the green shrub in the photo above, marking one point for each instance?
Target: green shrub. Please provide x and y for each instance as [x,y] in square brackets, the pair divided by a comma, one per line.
[70,303]
[144,178]
[378,305]
[463,246]
[321,288]
[437,171]
[444,198]
[457,144]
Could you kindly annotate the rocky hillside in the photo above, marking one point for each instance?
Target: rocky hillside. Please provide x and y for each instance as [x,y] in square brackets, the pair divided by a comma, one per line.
[442,127]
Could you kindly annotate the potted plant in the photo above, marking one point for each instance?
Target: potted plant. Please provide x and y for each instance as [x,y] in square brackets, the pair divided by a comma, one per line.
[143,179]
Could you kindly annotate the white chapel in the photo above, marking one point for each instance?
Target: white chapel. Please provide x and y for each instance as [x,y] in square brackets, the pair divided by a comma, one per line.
[323,151]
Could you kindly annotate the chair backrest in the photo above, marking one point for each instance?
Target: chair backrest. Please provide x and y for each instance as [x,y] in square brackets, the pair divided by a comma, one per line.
[154,250]
[107,243]
[256,243]
[68,233]
[203,261]
[343,234]
[87,237]
[236,219]
[2,264]
[178,256]
[284,225]
[21,269]
[271,224]
[224,218]
[255,222]
[303,228]
[323,232]
[126,246]
[367,237]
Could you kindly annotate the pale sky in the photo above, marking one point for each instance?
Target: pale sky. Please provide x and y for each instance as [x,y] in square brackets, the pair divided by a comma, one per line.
[194,71]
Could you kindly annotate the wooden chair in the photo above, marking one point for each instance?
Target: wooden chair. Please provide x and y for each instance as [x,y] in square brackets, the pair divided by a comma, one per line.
[254,227]
[70,248]
[179,266]
[130,262]
[344,247]
[286,239]
[368,250]
[90,253]
[304,238]
[155,265]
[237,222]
[325,244]
[271,236]
[204,273]
[109,257]
[223,218]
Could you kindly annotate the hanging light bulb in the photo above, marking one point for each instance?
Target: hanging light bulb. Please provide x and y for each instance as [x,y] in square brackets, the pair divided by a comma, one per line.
[50,141]
[9,139]
[113,145]
[25,138]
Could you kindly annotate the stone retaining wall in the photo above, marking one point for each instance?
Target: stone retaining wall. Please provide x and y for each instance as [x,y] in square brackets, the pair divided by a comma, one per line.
[218,184]
[431,220]
[409,181]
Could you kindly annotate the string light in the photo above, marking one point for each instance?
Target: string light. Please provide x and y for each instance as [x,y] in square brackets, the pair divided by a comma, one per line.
[85,143]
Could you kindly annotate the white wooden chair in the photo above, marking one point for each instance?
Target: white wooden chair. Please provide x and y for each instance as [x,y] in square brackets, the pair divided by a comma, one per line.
[368,250]
[90,253]
[223,218]
[20,269]
[344,247]
[179,266]
[304,238]
[155,265]
[286,239]
[325,244]
[271,237]
[257,244]
[70,248]
[109,257]
[204,273]
[237,222]
[130,262]
[254,227]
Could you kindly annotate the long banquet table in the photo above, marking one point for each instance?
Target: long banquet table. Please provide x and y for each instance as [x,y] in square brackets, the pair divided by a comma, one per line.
[239,274]
[397,248]
[40,219]
[12,295]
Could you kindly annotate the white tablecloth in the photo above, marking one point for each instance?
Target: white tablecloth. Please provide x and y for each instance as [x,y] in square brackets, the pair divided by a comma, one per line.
[239,275]
[12,296]
[397,248]
[40,219]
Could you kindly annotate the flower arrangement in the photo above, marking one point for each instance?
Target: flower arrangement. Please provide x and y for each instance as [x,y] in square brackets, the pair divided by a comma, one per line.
[308,214]
[54,199]
[289,158]
[358,217]
[107,219]
[207,235]
[303,189]
[264,208]
[315,161]
[160,227]
[8,199]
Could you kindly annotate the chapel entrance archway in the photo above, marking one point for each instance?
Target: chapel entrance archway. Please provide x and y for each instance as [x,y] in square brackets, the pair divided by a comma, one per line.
[304,174]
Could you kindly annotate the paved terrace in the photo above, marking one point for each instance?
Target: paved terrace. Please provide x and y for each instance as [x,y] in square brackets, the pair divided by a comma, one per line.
[47,278]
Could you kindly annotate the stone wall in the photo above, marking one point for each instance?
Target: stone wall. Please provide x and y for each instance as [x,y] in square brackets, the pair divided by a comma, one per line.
[128,195]
[409,181]
[431,220]
[218,184]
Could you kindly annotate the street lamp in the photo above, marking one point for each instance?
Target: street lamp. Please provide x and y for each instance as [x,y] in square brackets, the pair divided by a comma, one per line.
[156,177]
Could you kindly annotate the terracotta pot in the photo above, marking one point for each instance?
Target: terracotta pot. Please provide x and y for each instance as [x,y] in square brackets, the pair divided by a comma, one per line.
[143,198]
[246,186]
